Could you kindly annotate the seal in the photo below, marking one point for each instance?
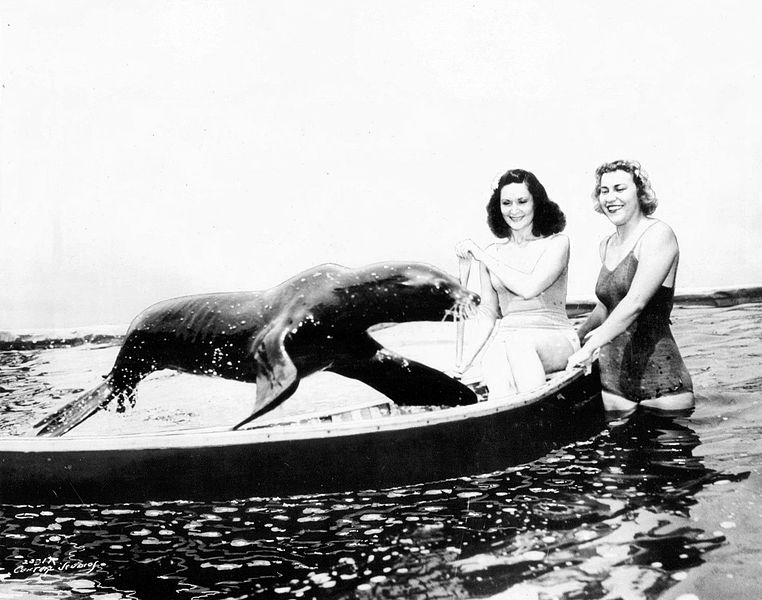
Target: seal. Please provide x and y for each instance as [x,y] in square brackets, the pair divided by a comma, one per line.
[317,320]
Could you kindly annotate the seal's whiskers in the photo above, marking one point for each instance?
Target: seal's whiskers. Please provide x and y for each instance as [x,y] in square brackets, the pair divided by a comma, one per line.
[461,311]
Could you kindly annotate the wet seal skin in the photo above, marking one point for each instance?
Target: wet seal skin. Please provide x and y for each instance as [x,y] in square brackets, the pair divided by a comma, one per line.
[317,320]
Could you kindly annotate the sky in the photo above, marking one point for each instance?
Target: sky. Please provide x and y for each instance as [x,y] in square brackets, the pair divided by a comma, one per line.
[154,149]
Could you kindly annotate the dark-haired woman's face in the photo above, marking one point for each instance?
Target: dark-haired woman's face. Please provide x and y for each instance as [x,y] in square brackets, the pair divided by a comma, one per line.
[517,206]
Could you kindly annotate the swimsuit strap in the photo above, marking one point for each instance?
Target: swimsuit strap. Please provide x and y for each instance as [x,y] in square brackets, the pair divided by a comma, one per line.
[637,242]
[606,247]
[634,246]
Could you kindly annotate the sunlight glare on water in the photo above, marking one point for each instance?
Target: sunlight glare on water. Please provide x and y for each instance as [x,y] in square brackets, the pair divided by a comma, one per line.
[649,506]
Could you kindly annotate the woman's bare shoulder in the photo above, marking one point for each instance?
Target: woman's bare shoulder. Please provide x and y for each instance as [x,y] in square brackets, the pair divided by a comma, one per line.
[495,247]
[658,241]
[657,233]
[559,239]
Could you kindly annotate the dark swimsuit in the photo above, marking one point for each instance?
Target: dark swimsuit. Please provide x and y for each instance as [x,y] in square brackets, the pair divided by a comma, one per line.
[643,362]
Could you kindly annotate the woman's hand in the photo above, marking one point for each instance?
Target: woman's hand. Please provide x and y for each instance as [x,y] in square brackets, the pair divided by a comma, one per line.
[467,249]
[461,371]
[583,357]
[455,373]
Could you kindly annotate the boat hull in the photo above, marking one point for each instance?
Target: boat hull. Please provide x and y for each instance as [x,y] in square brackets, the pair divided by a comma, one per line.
[276,461]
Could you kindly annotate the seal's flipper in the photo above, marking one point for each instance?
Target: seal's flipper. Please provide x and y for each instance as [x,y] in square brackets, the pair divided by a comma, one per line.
[277,377]
[72,414]
[406,382]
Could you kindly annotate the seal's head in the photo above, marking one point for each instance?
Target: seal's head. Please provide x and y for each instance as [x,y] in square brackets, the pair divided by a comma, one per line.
[412,292]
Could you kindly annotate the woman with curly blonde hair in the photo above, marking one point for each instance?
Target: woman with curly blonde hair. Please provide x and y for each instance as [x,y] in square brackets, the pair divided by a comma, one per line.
[639,359]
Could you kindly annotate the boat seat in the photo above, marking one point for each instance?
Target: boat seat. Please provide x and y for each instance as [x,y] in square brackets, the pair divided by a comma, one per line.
[358,412]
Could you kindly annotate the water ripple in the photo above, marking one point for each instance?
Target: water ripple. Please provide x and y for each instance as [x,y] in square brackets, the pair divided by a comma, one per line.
[611,516]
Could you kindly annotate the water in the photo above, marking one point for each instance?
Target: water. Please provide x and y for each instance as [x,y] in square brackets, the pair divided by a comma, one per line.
[649,507]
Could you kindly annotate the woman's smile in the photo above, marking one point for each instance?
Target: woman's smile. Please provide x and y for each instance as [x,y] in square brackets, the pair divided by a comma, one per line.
[618,196]
[517,205]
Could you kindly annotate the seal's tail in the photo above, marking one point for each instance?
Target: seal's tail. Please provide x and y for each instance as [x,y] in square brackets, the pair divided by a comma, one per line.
[72,414]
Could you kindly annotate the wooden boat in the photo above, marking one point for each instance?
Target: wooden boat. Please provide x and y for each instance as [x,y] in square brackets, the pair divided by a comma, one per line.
[373,446]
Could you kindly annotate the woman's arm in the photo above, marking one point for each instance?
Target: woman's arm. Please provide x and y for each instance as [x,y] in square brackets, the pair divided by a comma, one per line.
[528,285]
[594,319]
[489,309]
[599,313]
[658,252]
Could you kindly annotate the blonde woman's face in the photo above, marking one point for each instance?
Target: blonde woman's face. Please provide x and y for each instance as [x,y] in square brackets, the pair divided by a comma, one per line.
[618,197]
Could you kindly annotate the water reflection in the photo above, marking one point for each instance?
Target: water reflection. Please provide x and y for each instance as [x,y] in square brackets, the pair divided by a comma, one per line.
[644,470]
[590,518]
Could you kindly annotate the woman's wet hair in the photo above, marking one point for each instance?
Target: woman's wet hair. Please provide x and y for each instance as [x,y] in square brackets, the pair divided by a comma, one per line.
[646,195]
[548,217]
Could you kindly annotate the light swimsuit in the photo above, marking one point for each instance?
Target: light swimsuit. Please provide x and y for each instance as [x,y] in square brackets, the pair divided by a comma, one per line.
[546,311]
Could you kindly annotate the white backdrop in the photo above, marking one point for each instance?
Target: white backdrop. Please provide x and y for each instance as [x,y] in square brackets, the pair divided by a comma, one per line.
[155,149]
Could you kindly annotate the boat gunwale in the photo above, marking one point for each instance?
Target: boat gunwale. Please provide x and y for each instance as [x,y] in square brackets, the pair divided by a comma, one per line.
[292,431]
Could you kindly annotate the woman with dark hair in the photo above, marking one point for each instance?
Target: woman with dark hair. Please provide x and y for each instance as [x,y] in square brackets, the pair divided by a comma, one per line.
[639,359]
[524,330]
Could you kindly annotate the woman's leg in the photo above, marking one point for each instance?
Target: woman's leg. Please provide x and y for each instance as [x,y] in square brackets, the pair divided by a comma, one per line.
[525,362]
[671,402]
[496,371]
[517,361]
[554,347]
[534,353]
[617,404]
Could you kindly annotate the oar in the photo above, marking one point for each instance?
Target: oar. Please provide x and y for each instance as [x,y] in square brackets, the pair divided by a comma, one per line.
[75,412]
[464,268]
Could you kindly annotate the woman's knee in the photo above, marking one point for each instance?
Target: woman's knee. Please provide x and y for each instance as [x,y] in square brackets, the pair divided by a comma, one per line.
[554,352]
